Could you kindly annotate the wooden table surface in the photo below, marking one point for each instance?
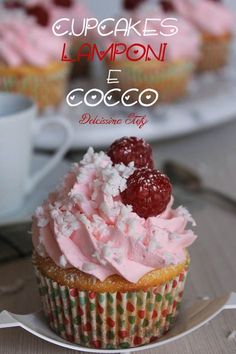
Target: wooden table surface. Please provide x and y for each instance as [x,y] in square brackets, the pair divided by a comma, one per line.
[213,266]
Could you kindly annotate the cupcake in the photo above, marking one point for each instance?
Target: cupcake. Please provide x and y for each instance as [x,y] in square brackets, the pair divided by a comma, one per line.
[169,77]
[110,250]
[215,24]
[30,59]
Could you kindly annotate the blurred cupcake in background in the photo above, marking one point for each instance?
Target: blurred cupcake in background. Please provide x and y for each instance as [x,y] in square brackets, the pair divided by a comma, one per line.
[215,23]
[30,59]
[47,12]
[169,77]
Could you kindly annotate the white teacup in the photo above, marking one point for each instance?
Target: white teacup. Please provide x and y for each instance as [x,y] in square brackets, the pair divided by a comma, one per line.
[17,128]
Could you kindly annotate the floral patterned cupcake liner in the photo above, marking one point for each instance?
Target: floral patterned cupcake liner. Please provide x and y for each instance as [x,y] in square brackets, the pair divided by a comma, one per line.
[214,53]
[46,86]
[113,319]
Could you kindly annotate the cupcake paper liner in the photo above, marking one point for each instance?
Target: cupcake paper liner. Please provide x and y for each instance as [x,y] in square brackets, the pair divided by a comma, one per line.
[214,53]
[169,79]
[46,86]
[113,319]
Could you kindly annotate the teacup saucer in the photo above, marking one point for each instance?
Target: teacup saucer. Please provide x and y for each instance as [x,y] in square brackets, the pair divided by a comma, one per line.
[190,319]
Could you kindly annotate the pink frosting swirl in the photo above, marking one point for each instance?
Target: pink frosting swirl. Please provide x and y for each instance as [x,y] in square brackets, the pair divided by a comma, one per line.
[208,16]
[183,45]
[22,41]
[76,11]
[85,225]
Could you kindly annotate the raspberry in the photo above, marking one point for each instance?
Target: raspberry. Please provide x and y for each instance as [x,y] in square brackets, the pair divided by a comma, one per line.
[63,3]
[167,5]
[148,191]
[40,13]
[131,4]
[131,149]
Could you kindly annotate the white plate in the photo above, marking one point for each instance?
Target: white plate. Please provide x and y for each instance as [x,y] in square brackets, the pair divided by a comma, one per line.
[40,193]
[210,102]
[189,320]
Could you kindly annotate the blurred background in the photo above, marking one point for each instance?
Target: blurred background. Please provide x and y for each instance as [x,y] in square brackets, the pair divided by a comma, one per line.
[192,129]
[196,83]
[104,8]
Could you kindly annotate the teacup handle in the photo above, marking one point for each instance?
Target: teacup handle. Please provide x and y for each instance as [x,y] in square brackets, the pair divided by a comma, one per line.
[57,157]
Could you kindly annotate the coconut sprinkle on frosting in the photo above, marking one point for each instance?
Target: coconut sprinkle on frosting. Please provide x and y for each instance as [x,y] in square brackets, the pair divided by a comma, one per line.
[84,224]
